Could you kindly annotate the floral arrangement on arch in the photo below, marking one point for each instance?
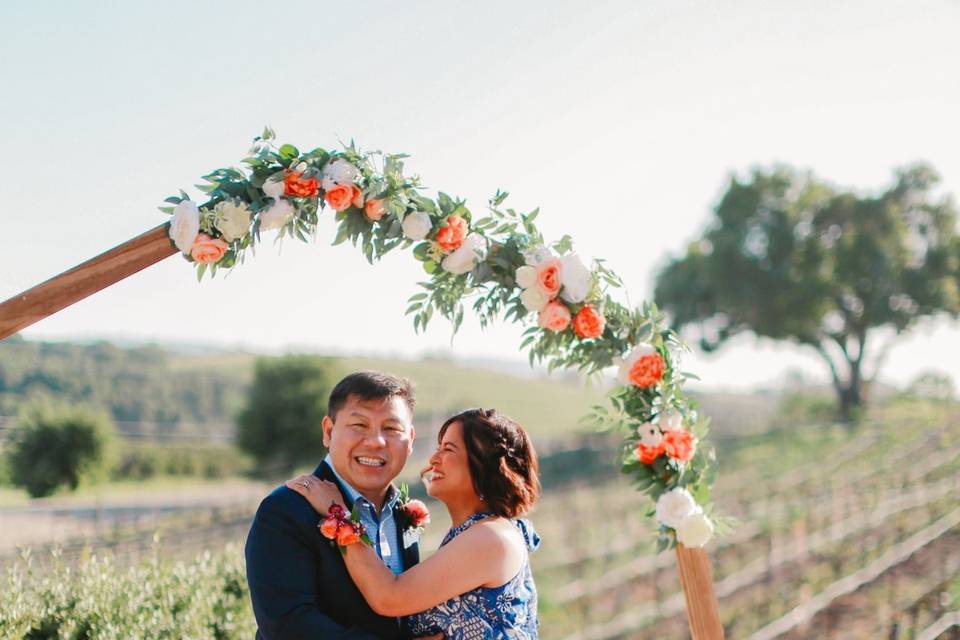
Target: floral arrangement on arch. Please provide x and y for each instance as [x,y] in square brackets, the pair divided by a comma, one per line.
[501,265]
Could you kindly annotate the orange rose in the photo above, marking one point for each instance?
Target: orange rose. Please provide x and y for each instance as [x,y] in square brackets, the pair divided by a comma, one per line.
[548,277]
[647,370]
[589,323]
[647,455]
[207,250]
[418,512]
[341,196]
[295,185]
[347,534]
[357,197]
[679,444]
[555,317]
[330,527]
[374,209]
[451,235]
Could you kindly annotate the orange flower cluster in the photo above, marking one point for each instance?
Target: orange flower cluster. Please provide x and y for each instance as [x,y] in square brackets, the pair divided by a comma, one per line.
[337,526]
[678,444]
[341,196]
[295,185]
[207,250]
[451,235]
[589,322]
[647,370]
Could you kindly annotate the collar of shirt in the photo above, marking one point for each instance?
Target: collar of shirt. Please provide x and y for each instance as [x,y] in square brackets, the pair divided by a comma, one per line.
[353,495]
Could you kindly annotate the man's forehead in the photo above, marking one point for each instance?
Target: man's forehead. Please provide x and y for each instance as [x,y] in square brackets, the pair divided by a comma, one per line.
[389,407]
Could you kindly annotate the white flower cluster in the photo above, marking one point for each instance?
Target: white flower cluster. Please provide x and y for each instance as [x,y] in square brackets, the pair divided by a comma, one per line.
[678,510]
[574,277]
[466,257]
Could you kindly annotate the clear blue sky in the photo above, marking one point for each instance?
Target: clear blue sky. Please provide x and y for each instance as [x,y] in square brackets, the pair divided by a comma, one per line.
[622,120]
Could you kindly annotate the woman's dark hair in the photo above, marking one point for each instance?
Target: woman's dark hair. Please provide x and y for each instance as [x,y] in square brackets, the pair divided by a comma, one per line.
[370,385]
[503,465]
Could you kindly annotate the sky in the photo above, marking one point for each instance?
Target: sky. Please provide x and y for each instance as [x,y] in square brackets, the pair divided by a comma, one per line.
[622,121]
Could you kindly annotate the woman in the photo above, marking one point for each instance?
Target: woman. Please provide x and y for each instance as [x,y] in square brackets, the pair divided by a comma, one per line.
[479,583]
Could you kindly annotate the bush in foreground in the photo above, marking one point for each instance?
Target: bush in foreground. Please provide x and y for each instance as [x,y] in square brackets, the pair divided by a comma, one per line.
[97,600]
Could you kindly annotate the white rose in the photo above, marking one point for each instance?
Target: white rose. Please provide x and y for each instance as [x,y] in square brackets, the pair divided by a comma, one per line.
[466,257]
[575,278]
[526,276]
[642,349]
[233,219]
[671,420]
[537,255]
[185,225]
[650,435]
[675,505]
[274,187]
[338,172]
[277,215]
[695,530]
[417,225]
[534,299]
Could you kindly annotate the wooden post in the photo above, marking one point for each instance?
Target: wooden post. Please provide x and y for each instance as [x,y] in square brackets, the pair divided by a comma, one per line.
[696,577]
[74,285]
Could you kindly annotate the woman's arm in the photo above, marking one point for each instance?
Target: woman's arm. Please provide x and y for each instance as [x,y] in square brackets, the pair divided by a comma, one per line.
[486,554]
[480,556]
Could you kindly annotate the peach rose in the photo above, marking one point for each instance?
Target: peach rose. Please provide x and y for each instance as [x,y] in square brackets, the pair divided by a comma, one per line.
[647,455]
[357,197]
[207,250]
[374,209]
[330,527]
[341,196]
[679,444]
[647,370]
[548,277]
[418,512]
[451,235]
[555,317]
[295,185]
[589,323]
[347,534]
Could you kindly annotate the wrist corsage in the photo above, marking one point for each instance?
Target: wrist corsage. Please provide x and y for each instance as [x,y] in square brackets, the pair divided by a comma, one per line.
[343,529]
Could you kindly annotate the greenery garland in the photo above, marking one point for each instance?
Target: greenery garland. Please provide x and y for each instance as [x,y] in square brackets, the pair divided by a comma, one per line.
[501,263]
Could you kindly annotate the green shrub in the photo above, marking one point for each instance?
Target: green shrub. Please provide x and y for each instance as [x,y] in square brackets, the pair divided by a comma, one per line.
[59,446]
[144,461]
[97,600]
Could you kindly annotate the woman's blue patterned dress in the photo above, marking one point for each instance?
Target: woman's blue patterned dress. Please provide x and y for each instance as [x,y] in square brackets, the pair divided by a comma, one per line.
[507,611]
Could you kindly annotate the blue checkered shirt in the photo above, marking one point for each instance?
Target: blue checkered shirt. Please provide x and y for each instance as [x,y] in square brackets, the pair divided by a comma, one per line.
[382,528]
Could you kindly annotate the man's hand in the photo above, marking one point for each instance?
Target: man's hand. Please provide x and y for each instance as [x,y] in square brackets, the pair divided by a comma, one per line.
[438,636]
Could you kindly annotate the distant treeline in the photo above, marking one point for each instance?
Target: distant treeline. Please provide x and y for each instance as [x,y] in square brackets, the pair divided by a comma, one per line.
[132,384]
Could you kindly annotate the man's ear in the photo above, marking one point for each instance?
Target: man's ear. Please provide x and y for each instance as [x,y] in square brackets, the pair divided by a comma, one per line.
[327,426]
[413,434]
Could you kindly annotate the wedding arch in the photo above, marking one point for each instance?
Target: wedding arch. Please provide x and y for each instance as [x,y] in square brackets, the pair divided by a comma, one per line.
[499,264]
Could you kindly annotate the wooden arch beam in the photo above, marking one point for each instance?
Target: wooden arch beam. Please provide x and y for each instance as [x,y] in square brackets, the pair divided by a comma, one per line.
[71,286]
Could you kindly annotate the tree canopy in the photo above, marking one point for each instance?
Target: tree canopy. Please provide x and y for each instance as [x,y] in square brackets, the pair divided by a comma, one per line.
[791,257]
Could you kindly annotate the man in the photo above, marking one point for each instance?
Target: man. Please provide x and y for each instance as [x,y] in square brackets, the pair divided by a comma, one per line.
[299,585]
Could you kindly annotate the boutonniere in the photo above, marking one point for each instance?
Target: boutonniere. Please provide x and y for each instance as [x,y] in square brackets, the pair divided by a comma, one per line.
[412,515]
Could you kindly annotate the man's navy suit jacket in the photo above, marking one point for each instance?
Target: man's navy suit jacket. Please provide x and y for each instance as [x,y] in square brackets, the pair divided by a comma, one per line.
[299,585]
